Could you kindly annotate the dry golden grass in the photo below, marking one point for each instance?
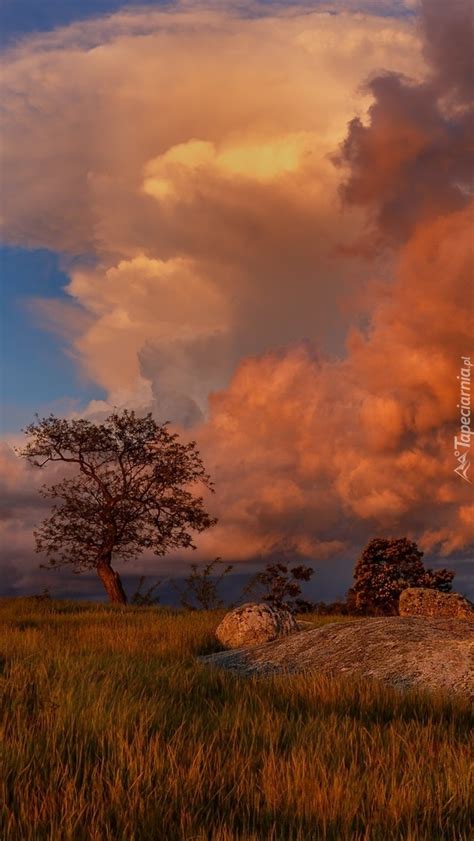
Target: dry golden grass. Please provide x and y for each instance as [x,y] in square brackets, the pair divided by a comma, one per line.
[111,731]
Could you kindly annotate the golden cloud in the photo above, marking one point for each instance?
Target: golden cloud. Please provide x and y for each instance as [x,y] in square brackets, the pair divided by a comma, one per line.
[189,153]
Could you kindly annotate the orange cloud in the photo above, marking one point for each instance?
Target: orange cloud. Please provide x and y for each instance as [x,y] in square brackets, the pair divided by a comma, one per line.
[189,152]
[193,144]
[323,450]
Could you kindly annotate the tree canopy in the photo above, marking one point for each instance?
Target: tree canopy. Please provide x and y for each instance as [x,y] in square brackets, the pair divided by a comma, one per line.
[385,568]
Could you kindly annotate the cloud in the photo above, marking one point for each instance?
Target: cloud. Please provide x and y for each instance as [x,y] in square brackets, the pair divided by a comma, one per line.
[190,143]
[413,159]
[168,176]
[327,453]
[448,45]
[189,155]
[348,448]
[120,300]
[89,106]
[410,162]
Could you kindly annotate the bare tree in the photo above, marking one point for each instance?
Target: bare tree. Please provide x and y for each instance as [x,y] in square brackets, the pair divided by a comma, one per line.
[279,585]
[201,586]
[128,489]
[146,598]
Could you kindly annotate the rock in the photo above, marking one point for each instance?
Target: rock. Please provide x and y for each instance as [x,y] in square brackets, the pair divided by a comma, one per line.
[418,601]
[403,651]
[254,624]
[303,625]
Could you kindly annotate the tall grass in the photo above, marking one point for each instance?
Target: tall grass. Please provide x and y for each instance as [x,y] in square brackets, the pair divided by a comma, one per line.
[112,731]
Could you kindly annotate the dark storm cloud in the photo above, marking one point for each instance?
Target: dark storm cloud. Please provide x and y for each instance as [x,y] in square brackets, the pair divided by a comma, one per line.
[413,159]
[449,40]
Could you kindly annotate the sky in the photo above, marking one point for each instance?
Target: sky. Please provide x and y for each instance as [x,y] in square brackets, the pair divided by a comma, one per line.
[253,220]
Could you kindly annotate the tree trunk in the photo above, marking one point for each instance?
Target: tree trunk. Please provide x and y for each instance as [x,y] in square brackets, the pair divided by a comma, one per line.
[111,581]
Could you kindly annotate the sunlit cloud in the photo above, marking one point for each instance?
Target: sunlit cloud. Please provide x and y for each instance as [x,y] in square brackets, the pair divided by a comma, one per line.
[189,157]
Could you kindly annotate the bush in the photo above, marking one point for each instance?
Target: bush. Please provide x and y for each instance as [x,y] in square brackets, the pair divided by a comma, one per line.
[279,585]
[385,568]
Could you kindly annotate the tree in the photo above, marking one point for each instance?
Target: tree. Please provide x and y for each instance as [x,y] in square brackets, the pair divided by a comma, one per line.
[385,568]
[128,488]
[201,586]
[281,585]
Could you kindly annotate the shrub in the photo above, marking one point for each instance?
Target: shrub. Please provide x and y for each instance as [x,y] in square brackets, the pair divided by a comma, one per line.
[385,568]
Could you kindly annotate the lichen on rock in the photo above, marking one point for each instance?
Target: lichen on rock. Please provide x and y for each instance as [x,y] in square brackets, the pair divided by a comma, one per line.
[421,601]
[404,651]
[255,624]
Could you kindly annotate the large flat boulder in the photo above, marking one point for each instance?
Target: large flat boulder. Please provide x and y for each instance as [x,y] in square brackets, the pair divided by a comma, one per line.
[254,624]
[402,651]
[421,601]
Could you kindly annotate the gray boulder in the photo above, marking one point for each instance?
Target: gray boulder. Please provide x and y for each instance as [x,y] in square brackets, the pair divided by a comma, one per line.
[420,601]
[255,624]
[403,651]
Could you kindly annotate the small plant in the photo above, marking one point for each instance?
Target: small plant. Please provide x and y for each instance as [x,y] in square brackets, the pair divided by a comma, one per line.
[148,597]
[201,586]
[281,586]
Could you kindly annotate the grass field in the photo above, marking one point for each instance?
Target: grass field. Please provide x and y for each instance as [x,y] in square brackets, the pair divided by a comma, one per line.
[111,731]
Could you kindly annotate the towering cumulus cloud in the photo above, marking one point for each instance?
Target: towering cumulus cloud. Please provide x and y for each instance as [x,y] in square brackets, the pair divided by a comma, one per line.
[267,249]
[188,152]
[329,452]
